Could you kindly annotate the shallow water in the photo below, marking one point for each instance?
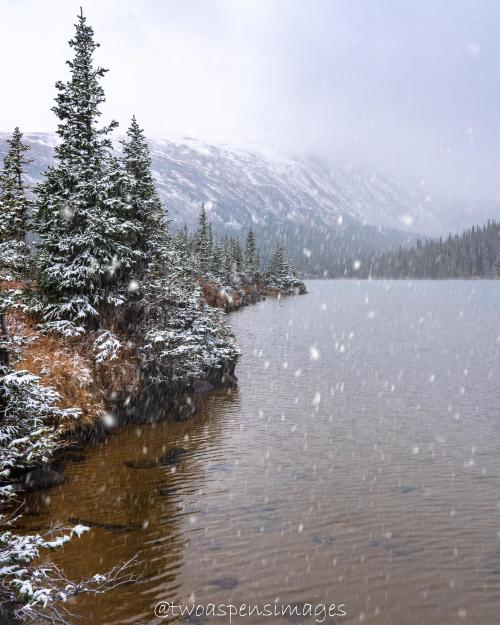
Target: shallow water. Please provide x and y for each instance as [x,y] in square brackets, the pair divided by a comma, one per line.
[358,463]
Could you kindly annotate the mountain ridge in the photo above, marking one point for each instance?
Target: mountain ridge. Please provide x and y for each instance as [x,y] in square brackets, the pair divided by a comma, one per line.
[319,207]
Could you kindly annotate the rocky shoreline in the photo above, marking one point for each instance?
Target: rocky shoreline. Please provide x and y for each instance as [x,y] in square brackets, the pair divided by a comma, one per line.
[149,404]
[176,405]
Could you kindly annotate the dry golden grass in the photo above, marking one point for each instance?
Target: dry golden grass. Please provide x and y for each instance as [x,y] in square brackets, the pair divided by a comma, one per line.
[216,298]
[68,366]
[65,364]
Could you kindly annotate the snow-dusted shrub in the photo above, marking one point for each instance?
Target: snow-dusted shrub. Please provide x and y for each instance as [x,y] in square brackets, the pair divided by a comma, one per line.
[281,275]
[28,435]
[185,338]
[14,259]
[106,346]
[37,594]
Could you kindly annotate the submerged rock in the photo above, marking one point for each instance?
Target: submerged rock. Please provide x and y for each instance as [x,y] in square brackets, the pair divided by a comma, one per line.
[395,548]
[41,478]
[326,541]
[141,464]
[172,457]
[225,583]
[404,489]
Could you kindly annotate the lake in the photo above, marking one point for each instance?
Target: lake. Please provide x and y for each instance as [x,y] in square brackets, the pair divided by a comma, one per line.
[357,463]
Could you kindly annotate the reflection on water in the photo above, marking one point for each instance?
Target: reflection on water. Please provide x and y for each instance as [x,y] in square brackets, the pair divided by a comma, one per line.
[357,463]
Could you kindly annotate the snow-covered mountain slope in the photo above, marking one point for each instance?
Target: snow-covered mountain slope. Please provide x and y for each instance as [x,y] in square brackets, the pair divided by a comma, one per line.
[306,201]
[246,183]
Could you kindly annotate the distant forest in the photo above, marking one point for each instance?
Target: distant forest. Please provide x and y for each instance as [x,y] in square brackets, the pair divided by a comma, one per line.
[475,253]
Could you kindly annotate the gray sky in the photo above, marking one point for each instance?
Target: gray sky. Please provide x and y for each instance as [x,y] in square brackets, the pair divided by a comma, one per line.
[409,87]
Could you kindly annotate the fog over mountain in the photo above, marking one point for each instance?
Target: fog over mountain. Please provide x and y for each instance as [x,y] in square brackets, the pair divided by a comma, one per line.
[319,208]
[403,88]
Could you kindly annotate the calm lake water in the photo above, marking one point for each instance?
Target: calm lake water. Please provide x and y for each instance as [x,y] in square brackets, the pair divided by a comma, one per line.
[358,462]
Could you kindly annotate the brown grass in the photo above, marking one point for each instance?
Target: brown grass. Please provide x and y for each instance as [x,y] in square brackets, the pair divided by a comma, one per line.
[65,364]
[216,298]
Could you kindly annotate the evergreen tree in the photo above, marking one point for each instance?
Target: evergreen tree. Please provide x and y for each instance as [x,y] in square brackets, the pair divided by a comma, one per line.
[237,257]
[203,243]
[4,348]
[146,209]
[182,247]
[227,262]
[81,211]
[185,338]
[474,253]
[275,265]
[251,258]
[281,274]
[217,266]
[14,206]
[14,203]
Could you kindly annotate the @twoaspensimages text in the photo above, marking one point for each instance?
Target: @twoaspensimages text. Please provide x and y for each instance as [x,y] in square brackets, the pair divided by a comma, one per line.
[320,612]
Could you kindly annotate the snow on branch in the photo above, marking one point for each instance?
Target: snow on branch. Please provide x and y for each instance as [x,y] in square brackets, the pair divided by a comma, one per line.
[106,347]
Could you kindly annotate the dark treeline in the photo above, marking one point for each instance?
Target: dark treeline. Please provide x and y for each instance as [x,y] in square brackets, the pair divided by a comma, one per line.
[475,253]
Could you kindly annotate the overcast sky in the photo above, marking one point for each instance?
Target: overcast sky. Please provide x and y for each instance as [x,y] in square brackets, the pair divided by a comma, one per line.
[410,87]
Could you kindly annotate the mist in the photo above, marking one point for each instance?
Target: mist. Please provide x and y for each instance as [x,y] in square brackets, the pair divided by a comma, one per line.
[408,89]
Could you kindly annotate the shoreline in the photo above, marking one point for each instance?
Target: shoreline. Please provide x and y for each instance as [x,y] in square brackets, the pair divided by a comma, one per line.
[144,404]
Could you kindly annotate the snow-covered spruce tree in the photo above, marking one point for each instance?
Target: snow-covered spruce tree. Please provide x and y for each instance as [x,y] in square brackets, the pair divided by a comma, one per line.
[237,264]
[182,239]
[227,262]
[147,210]
[183,248]
[251,258]
[81,212]
[217,265]
[281,274]
[14,203]
[14,207]
[202,244]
